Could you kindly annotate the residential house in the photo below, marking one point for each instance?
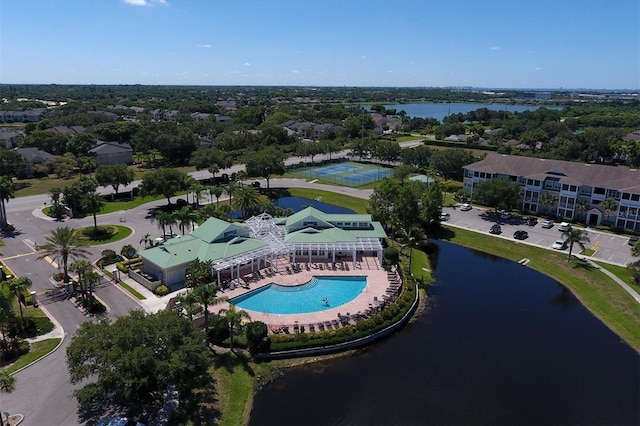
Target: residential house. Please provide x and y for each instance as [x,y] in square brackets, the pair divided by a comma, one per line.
[9,139]
[112,153]
[577,189]
[33,156]
[29,116]
[68,131]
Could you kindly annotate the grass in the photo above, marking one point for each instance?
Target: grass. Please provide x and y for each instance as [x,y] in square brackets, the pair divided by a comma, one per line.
[596,291]
[131,290]
[113,234]
[420,266]
[621,272]
[588,252]
[37,351]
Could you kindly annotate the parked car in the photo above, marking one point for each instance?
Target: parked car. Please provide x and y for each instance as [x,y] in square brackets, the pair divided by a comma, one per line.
[633,240]
[532,221]
[495,229]
[564,226]
[445,216]
[465,207]
[546,224]
[181,202]
[520,235]
[559,245]
[505,215]
[255,184]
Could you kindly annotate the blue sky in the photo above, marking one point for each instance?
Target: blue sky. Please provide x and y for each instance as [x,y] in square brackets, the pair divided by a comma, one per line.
[591,44]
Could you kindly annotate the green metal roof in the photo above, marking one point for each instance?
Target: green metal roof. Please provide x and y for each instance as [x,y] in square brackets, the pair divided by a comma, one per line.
[214,229]
[377,231]
[311,235]
[183,250]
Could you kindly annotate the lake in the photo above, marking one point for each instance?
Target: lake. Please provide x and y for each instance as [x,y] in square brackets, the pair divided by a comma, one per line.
[441,110]
[497,344]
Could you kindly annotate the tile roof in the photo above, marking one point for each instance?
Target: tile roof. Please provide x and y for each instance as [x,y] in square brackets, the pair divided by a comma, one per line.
[595,175]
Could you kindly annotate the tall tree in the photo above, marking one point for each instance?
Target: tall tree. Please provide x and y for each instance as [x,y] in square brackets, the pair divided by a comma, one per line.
[575,236]
[216,191]
[63,243]
[7,191]
[246,199]
[82,267]
[265,163]
[17,286]
[129,363]
[210,159]
[498,193]
[93,203]
[165,182]
[234,320]
[164,219]
[184,217]
[609,205]
[205,295]
[114,175]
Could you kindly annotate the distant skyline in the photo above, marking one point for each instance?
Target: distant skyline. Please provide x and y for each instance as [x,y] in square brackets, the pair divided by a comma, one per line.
[528,44]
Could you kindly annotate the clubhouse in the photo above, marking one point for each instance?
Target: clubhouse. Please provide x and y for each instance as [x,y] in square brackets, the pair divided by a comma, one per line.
[241,249]
[577,189]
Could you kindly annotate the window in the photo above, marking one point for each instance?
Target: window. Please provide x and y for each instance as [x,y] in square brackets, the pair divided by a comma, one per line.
[310,223]
[230,233]
[598,191]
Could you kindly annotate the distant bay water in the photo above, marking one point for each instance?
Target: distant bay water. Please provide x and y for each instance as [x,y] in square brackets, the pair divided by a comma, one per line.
[441,110]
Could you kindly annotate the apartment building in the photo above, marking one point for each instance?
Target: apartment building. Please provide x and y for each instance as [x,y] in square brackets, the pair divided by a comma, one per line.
[566,189]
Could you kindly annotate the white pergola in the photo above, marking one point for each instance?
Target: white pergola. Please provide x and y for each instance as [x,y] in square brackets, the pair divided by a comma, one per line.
[353,247]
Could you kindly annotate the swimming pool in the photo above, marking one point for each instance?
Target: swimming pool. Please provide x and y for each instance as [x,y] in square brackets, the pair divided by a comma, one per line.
[319,294]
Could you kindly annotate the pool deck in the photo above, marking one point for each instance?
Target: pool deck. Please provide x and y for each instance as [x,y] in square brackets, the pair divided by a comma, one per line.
[372,295]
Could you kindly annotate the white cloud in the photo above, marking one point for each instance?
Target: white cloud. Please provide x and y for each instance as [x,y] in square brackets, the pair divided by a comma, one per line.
[538,68]
[205,46]
[295,72]
[363,57]
[247,64]
[143,2]
[495,48]
[389,71]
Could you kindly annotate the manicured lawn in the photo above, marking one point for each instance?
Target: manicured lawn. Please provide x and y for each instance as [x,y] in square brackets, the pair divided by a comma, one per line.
[38,350]
[597,292]
[621,272]
[121,233]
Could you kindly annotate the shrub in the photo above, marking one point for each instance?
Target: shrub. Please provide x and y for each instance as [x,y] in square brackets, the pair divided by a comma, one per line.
[218,329]
[109,257]
[128,251]
[257,339]
[391,255]
[161,290]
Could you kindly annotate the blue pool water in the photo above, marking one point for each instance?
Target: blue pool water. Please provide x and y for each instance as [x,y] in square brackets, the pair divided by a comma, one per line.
[319,294]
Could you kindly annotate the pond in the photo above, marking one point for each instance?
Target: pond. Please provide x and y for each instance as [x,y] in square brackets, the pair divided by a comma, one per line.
[497,344]
[298,203]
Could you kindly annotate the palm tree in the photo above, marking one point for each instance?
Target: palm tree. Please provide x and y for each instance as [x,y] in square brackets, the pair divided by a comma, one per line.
[82,267]
[184,217]
[55,194]
[205,295]
[164,219]
[7,385]
[547,199]
[63,243]
[93,203]
[17,286]
[6,315]
[582,206]
[575,236]
[234,320]
[216,191]
[7,191]
[146,240]
[197,188]
[609,205]
[246,199]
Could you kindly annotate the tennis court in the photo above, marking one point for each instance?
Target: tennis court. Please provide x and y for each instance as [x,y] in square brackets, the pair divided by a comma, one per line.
[348,174]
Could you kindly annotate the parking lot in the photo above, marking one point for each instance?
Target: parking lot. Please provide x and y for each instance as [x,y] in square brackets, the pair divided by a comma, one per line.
[608,247]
